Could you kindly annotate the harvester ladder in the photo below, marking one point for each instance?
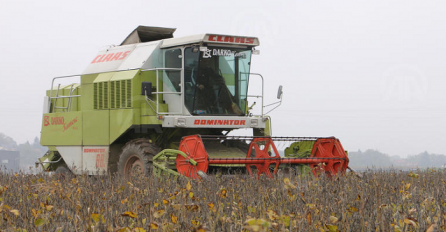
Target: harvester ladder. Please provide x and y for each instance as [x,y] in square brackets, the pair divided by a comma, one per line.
[70,96]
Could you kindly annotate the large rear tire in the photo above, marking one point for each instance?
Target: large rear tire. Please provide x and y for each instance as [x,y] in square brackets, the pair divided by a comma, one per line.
[136,158]
[63,172]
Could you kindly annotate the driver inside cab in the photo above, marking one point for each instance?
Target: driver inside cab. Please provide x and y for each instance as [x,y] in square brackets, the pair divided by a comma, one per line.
[212,91]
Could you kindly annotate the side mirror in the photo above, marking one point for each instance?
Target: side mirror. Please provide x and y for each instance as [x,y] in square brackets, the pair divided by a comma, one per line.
[146,88]
[279,92]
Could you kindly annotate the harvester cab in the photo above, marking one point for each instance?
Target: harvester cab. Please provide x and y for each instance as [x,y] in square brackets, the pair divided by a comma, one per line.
[158,104]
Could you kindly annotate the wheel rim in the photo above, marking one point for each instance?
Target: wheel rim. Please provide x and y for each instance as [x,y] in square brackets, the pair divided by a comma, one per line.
[133,167]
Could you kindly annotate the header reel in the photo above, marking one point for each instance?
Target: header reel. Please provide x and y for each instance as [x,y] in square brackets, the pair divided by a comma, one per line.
[327,155]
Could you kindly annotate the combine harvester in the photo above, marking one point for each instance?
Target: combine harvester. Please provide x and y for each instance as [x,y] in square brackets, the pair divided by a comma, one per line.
[158,104]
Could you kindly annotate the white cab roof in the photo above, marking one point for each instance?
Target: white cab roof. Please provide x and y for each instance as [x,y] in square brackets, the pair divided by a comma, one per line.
[210,38]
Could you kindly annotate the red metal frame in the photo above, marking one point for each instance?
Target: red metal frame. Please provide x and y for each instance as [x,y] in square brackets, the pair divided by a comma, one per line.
[329,148]
[328,156]
[262,147]
[193,147]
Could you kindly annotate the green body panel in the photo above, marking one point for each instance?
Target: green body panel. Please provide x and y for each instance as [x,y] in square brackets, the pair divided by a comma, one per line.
[87,92]
[120,121]
[62,129]
[75,102]
[268,129]
[96,127]
[125,75]
[103,77]
[49,156]
[300,149]
[150,76]
[147,114]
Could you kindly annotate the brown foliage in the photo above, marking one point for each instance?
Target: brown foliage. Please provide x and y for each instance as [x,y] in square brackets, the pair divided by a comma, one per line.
[380,201]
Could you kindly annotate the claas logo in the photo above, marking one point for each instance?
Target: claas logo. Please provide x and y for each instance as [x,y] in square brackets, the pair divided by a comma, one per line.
[110,57]
[231,39]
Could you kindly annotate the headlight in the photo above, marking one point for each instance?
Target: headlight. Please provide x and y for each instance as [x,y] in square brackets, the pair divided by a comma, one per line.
[181,122]
[254,122]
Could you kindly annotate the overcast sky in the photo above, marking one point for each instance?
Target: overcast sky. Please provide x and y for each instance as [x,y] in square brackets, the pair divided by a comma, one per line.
[372,73]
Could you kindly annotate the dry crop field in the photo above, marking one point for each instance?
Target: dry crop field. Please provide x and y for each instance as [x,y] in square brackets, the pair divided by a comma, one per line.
[379,201]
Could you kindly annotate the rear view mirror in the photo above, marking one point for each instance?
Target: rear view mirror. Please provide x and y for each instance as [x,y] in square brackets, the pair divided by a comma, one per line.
[146,88]
[279,92]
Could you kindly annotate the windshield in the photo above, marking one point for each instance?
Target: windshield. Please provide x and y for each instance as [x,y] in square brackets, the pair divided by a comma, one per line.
[216,80]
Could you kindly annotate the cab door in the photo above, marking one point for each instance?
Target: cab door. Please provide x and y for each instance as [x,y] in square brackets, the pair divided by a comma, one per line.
[172,80]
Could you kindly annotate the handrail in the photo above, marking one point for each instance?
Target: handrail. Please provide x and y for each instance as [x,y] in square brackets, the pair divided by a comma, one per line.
[50,98]
[70,99]
[258,96]
[68,107]
[181,92]
[71,96]
[157,92]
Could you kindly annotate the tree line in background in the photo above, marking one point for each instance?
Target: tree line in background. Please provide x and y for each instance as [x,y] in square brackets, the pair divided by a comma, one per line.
[369,159]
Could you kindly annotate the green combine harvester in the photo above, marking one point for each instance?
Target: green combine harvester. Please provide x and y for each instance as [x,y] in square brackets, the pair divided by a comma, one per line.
[158,104]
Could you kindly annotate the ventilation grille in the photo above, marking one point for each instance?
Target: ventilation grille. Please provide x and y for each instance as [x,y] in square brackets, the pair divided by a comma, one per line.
[121,94]
[100,95]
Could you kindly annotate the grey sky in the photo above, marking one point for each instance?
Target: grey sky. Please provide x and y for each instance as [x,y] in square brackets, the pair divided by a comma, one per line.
[371,73]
